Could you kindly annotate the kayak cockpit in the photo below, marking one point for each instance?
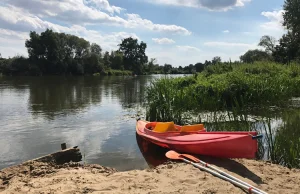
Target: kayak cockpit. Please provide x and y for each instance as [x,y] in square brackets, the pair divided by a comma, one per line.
[166,127]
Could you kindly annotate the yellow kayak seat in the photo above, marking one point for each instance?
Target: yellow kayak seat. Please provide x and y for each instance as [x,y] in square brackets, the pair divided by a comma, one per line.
[192,128]
[162,127]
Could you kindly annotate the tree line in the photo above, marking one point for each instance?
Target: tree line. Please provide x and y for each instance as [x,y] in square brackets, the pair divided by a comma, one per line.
[53,53]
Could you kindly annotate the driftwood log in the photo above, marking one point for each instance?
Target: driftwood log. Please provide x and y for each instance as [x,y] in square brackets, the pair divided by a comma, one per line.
[62,156]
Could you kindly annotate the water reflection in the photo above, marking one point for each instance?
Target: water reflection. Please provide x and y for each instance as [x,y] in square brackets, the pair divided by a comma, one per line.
[153,154]
[59,96]
[97,114]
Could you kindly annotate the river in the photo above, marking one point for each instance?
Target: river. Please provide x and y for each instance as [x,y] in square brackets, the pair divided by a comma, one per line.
[98,114]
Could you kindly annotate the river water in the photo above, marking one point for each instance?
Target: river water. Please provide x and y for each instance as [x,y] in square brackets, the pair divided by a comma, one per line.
[98,114]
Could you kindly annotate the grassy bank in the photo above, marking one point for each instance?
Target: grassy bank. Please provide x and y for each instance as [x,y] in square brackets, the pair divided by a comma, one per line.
[114,72]
[223,87]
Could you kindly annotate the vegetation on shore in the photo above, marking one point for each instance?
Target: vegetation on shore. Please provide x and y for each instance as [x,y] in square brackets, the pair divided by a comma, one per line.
[223,87]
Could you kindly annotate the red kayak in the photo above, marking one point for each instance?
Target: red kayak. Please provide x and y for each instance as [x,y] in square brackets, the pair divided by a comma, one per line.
[199,141]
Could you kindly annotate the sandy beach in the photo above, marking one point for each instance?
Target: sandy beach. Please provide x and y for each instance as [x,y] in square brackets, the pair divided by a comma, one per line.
[170,177]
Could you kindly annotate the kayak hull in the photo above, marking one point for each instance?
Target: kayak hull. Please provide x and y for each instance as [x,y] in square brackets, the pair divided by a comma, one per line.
[217,144]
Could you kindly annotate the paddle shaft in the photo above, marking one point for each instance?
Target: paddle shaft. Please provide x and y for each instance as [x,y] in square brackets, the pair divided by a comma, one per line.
[250,189]
[232,177]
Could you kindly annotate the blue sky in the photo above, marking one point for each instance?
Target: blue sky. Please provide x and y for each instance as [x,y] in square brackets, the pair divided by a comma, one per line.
[178,32]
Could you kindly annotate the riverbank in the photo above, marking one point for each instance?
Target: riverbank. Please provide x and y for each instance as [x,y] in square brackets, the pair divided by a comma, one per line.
[40,177]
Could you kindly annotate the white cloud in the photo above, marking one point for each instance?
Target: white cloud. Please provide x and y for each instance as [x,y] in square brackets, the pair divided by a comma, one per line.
[242,2]
[188,48]
[226,31]
[12,43]
[276,20]
[228,44]
[163,40]
[135,21]
[104,4]
[24,22]
[71,11]
[217,5]
[274,26]
[4,33]
[30,14]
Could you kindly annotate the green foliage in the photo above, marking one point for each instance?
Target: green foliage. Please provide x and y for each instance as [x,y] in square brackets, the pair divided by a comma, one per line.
[114,72]
[106,60]
[291,15]
[217,69]
[286,149]
[255,55]
[216,60]
[133,54]
[53,53]
[163,98]
[116,60]
[268,42]
[288,49]
[222,87]
[18,65]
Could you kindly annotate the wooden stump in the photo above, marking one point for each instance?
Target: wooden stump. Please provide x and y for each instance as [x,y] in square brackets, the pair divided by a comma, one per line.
[61,157]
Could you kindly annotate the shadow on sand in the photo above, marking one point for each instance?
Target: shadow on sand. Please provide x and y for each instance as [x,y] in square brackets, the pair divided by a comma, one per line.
[155,155]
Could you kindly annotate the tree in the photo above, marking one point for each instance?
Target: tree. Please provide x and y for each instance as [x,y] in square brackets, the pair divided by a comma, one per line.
[116,59]
[268,42]
[255,55]
[287,50]
[134,54]
[96,49]
[106,60]
[291,16]
[59,53]
[199,67]
[289,46]
[167,68]
[216,60]
[151,65]
[207,63]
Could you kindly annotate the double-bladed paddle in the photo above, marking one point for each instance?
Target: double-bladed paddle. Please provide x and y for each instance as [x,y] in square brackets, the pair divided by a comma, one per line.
[176,156]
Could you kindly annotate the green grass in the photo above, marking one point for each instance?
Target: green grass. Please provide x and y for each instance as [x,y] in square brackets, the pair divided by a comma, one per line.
[286,147]
[114,72]
[223,87]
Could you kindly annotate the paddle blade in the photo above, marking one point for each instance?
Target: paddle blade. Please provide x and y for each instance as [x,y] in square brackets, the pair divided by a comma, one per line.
[173,155]
[194,159]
